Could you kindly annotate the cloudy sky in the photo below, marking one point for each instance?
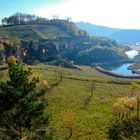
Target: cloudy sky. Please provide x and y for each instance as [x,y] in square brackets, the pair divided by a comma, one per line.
[113,13]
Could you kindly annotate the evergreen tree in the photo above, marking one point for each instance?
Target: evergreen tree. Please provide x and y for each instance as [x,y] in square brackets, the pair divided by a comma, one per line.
[22,107]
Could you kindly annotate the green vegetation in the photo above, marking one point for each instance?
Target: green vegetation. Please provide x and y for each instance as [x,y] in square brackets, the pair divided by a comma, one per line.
[34,32]
[68,99]
[34,39]
[126,123]
[55,27]
[22,106]
[100,54]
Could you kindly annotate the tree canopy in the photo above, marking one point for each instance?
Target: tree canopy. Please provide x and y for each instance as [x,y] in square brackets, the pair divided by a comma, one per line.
[22,106]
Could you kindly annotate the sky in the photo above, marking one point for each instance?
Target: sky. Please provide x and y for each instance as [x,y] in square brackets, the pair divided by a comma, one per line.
[112,13]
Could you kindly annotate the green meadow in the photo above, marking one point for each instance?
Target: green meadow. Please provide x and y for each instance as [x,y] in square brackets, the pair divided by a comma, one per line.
[91,115]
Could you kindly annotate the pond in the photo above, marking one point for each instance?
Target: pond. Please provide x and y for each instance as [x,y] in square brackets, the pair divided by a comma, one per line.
[122,68]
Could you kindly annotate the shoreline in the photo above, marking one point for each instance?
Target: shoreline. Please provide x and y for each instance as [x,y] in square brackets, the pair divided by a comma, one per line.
[113,62]
[100,69]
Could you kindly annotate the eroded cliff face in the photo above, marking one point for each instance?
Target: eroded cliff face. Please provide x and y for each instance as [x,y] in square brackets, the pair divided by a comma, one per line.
[51,51]
[2,53]
[38,52]
[29,52]
[61,51]
[7,50]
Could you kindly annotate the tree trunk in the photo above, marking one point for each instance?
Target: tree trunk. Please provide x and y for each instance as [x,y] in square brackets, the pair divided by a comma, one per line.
[70,135]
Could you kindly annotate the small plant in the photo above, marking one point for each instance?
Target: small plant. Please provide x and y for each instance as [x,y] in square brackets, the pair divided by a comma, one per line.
[44,85]
[69,119]
[92,89]
[138,105]
[133,87]
[127,119]
[12,60]
[59,76]
[124,106]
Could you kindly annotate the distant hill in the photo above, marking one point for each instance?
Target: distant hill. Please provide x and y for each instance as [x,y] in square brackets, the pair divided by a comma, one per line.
[124,36]
[96,30]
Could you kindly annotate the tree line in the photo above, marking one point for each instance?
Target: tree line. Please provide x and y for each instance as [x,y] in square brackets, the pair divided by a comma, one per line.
[25,19]
[21,18]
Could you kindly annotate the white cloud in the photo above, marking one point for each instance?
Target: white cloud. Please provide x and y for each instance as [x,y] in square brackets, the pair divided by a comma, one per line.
[114,13]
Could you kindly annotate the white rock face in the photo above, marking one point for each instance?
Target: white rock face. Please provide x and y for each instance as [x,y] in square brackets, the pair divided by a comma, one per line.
[132,53]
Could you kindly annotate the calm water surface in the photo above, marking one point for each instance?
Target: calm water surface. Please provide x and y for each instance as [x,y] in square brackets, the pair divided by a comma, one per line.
[122,69]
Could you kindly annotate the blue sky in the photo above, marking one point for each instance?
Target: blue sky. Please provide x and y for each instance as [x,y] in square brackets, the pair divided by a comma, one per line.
[113,13]
[9,7]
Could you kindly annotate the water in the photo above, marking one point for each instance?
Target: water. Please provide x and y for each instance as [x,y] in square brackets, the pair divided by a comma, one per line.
[122,68]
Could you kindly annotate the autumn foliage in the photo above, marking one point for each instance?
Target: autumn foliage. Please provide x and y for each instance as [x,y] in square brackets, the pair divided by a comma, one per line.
[126,122]
[12,60]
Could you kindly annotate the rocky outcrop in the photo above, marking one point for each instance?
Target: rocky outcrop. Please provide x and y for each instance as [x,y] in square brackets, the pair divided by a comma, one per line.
[135,68]
[31,44]
[43,51]
[2,54]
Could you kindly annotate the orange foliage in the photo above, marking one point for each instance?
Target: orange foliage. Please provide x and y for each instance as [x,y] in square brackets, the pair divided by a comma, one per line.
[23,53]
[44,84]
[69,117]
[12,60]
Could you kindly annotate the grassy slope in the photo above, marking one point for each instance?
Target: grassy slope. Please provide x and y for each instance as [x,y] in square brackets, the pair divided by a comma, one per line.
[34,32]
[91,122]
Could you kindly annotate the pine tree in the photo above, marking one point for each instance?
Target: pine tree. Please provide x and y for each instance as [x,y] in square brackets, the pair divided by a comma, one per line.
[22,106]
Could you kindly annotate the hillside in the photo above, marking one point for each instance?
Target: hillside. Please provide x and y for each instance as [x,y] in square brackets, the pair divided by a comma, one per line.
[67,101]
[96,30]
[91,121]
[34,32]
[45,43]
[123,36]
[126,36]
[56,42]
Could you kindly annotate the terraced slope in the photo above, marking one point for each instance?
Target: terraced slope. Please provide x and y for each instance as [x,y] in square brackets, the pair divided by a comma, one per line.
[34,32]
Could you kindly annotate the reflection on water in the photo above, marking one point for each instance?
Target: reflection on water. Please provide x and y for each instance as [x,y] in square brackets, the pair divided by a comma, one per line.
[123,69]
[119,68]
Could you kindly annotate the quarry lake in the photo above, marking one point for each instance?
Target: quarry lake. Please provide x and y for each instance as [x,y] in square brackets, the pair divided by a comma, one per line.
[122,68]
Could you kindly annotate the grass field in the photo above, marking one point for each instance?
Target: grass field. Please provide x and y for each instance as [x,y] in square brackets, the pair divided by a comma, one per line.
[34,32]
[90,122]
